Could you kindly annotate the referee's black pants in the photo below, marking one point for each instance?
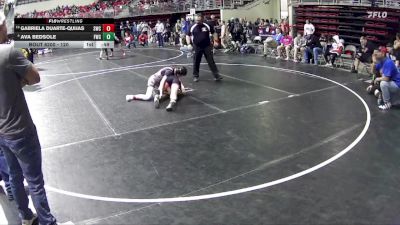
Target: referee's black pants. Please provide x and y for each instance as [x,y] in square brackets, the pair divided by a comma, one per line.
[207,52]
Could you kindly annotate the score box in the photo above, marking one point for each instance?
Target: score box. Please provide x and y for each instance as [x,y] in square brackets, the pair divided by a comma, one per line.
[108,28]
[104,44]
[108,36]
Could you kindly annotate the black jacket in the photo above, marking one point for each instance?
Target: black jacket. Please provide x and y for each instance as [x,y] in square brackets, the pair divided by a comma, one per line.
[313,42]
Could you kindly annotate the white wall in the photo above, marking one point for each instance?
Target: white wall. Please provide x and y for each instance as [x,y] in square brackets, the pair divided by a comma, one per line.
[257,9]
[47,5]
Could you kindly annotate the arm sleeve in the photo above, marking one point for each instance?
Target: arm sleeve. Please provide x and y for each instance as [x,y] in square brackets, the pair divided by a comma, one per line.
[378,66]
[387,70]
[19,63]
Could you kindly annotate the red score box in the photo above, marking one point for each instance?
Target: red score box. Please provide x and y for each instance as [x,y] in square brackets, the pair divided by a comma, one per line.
[108,28]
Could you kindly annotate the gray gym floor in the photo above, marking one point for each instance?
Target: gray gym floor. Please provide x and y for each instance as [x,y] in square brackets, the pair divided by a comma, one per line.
[274,143]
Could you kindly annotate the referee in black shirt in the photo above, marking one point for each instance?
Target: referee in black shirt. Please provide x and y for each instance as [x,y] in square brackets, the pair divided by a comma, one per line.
[199,34]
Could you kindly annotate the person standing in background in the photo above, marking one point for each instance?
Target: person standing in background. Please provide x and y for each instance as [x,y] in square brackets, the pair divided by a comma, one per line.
[160,29]
[200,33]
[122,29]
[224,35]
[134,29]
[308,28]
[18,136]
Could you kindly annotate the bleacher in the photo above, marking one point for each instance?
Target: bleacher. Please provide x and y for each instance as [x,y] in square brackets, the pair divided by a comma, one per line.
[376,3]
[143,8]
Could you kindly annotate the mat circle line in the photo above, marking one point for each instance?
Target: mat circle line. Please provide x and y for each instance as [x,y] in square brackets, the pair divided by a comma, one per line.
[111,69]
[241,190]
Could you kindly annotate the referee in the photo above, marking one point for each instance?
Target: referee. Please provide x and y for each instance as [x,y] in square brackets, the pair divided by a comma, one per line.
[199,34]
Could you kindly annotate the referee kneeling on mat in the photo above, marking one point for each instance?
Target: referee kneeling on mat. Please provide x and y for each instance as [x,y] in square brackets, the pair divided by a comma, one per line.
[199,33]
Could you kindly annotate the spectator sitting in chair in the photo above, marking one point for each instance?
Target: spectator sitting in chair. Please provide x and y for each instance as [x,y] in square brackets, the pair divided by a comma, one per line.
[286,44]
[334,52]
[390,80]
[364,54]
[312,41]
[299,44]
[273,42]
[320,49]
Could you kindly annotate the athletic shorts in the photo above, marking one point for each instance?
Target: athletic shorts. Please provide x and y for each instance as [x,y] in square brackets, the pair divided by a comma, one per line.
[173,80]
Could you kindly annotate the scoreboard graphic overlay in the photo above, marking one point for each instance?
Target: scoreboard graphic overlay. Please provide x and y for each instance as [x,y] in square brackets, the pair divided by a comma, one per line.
[64,33]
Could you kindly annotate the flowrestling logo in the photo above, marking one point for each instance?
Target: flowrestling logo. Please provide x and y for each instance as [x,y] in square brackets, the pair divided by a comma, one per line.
[375,14]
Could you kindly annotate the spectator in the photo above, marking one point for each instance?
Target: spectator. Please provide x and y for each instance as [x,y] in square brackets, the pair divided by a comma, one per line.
[364,54]
[312,41]
[308,28]
[140,27]
[122,28]
[129,40]
[160,29]
[396,49]
[167,32]
[237,31]
[389,81]
[319,49]
[332,53]
[18,136]
[214,24]
[224,35]
[178,27]
[143,39]
[286,43]
[145,28]
[134,29]
[299,45]
[273,42]
[128,26]
[285,28]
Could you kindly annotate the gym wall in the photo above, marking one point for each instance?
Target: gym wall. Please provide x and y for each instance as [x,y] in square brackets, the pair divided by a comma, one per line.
[252,11]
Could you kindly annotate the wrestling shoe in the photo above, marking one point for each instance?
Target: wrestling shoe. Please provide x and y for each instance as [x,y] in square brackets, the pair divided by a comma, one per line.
[157,101]
[129,98]
[218,78]
[32,221]
[171,106]
[385,106]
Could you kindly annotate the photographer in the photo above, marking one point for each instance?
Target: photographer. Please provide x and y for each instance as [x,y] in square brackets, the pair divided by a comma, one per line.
[389,81]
